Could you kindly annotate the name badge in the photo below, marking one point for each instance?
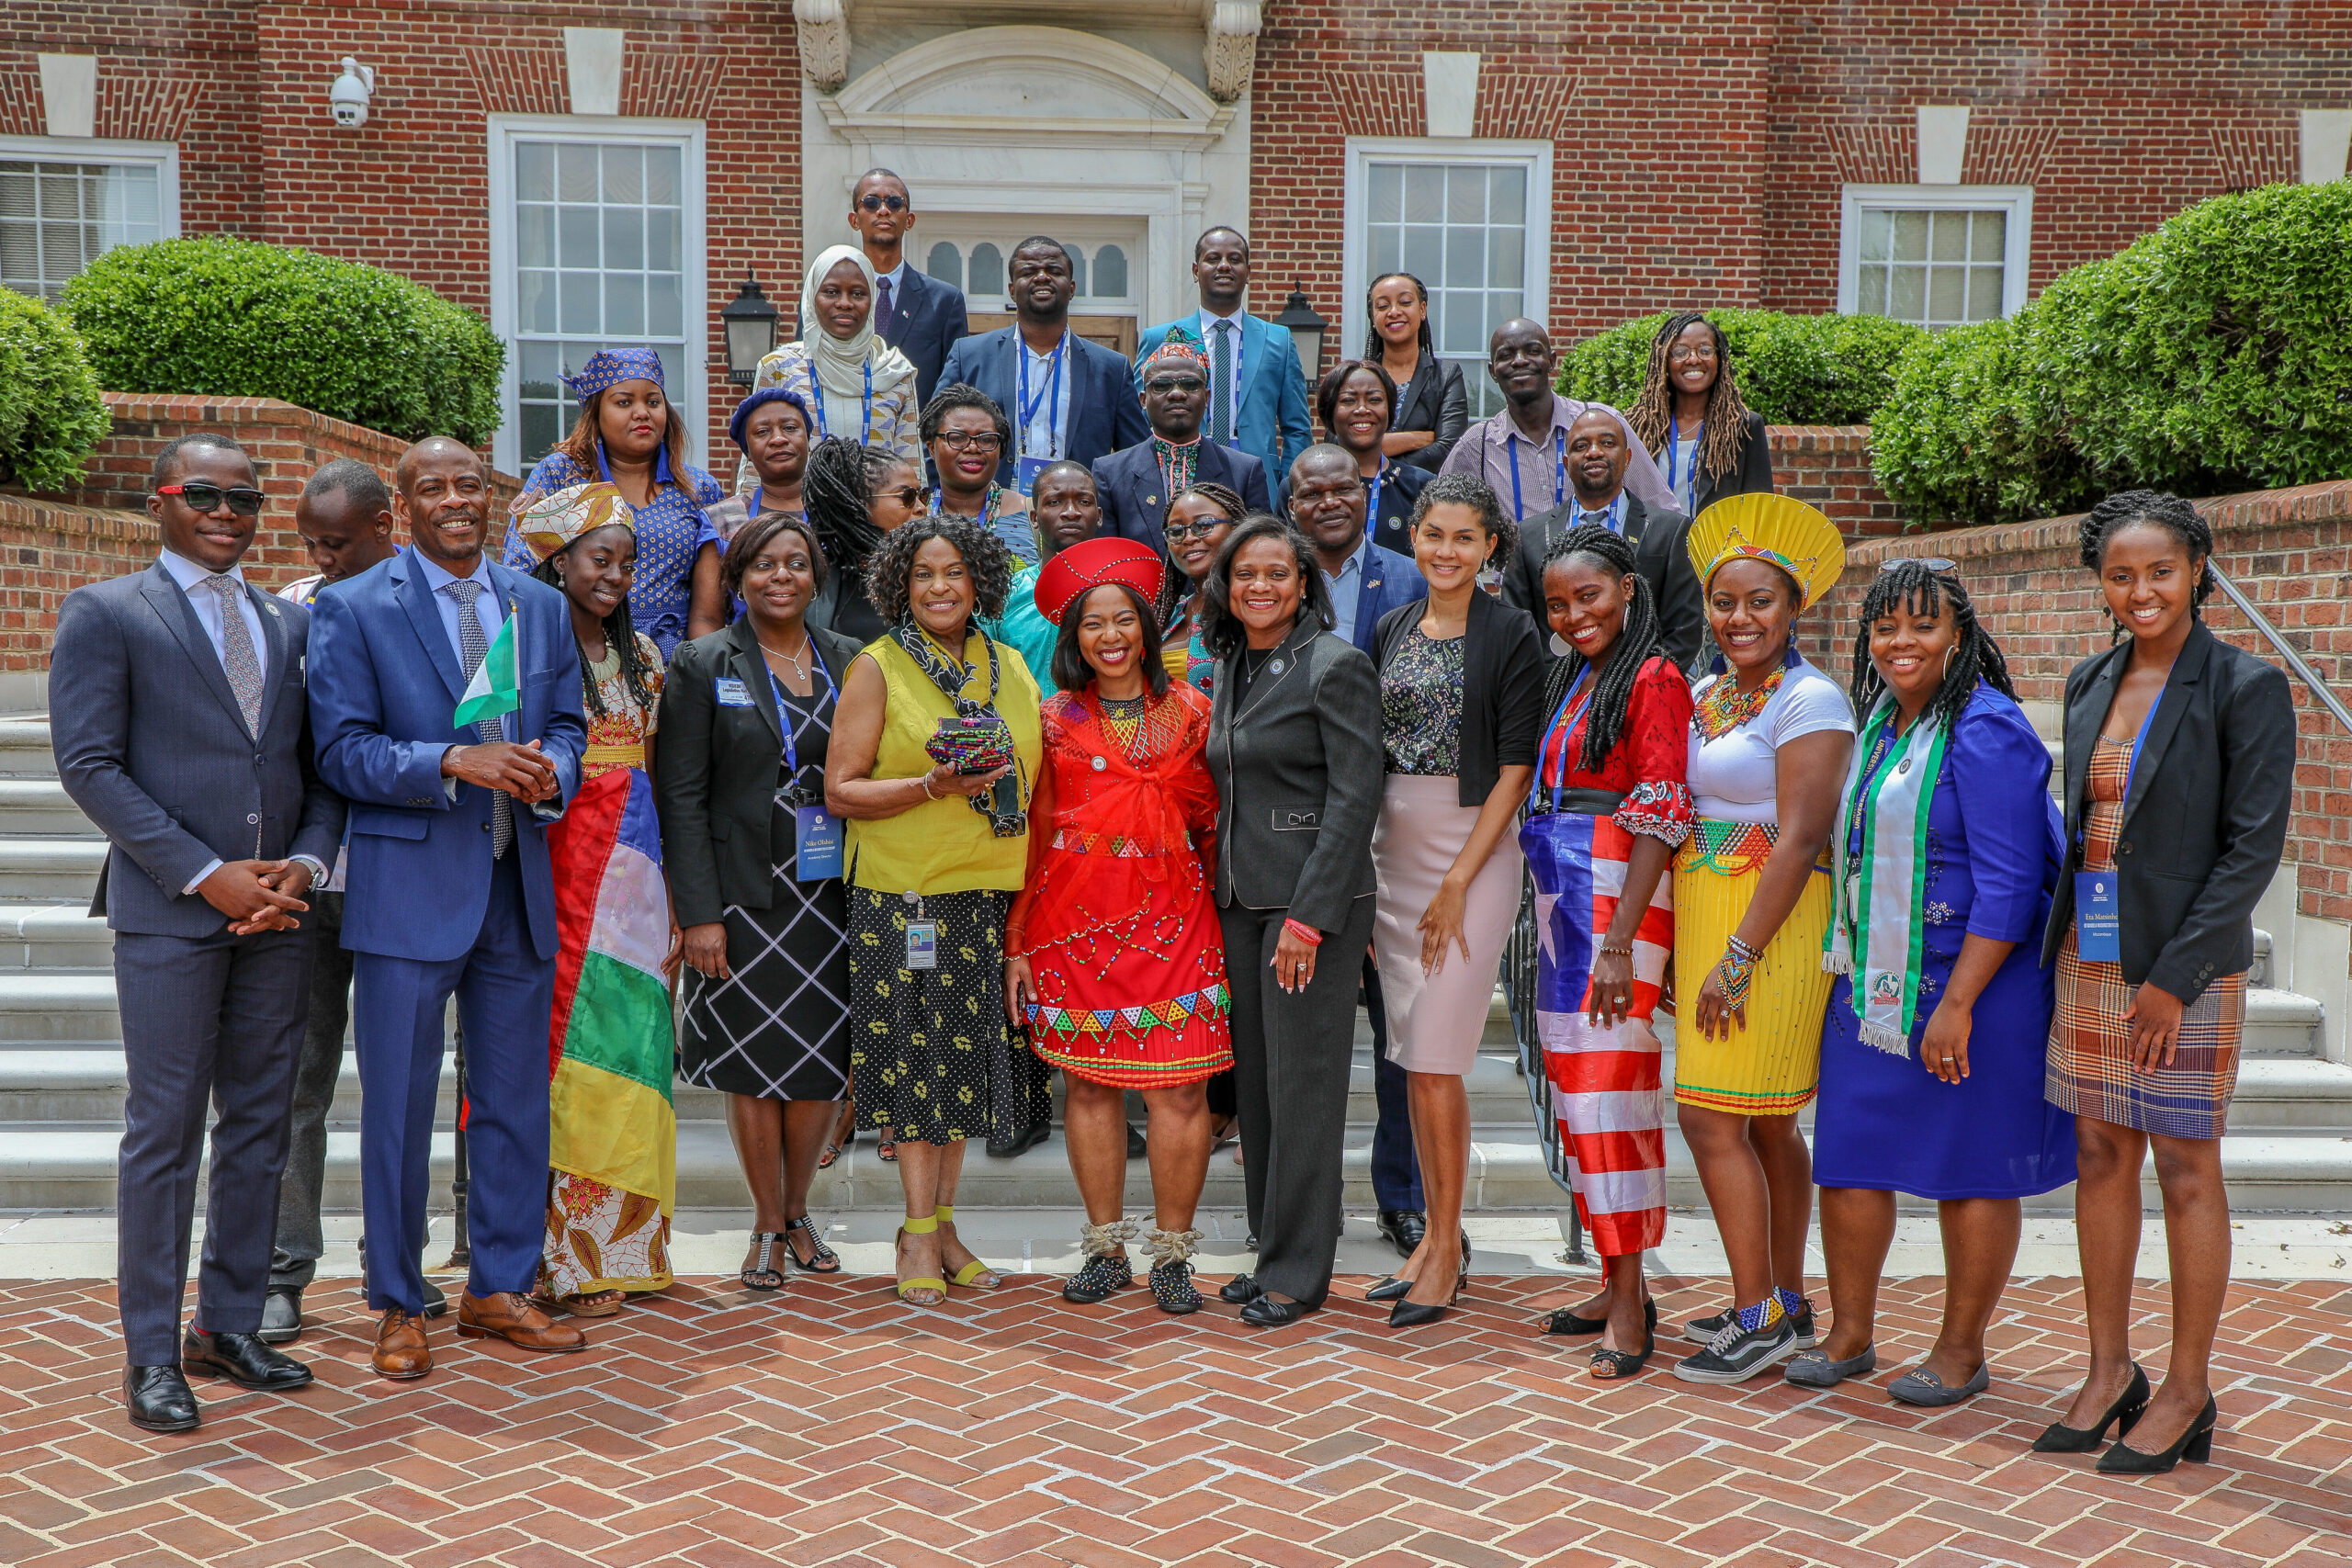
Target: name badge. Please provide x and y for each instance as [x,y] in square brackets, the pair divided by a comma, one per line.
[922,944]
[2098,927]
[816,844]
[1026,471]
[733,693]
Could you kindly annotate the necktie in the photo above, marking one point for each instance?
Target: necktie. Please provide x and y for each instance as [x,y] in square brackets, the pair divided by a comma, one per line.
[471,647]
[1221,387]
[885,322]
[237,654]
[1594,519]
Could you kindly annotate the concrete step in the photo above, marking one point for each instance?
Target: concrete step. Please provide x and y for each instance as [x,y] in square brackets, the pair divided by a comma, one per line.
[40,805]
[2281,1023]
[25,747]
[50,869]
[52,936]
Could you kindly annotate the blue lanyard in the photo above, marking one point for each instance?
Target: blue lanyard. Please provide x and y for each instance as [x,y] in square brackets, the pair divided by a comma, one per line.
[784,714]
[1616,514]
[1050,395]
[865,434]
[1559,472]
[1371,508]
[1673,446]
[2133,767]
[1587,684]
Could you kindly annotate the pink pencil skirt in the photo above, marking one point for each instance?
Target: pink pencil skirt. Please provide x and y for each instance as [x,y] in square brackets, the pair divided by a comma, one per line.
[1435,1019]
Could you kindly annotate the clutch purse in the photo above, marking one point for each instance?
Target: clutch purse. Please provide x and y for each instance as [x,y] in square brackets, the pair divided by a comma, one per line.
[971,745]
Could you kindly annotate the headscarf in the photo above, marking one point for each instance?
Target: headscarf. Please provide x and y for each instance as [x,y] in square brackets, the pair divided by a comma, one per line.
[609,366]
[553,522]
[1091,564]
[1178,345]
[840,364]
[762,395]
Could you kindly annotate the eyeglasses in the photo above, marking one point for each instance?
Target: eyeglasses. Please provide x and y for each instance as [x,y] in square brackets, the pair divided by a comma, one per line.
[1163,385]
[1933,563]
[207,498]
[877,203]
[1199,528]
[966,441]
[909,496]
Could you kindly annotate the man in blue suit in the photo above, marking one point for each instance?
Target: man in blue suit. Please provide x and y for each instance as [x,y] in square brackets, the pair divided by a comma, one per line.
[1135,485]
[913,312]
[1327,502]
[1258,392]
[449,890]
[1069,399]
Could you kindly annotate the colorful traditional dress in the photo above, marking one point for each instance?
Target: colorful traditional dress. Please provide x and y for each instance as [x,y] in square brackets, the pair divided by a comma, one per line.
[612,1133]
[1117,922]
[1605,1130]
[668,532]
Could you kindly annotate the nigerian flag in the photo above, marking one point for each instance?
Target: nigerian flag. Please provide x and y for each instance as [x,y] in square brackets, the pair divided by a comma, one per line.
[496,688]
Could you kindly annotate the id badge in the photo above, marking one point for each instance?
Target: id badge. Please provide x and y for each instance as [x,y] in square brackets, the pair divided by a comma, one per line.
[922,944]
[1026,471]
[2098,929]
[733,693]
[816,844]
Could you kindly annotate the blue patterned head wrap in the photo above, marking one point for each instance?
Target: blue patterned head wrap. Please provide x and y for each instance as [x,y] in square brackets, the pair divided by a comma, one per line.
[759,395]
[609,366]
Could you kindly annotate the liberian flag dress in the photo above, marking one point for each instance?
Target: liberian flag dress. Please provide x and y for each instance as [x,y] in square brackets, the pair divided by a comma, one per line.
[1606,1131]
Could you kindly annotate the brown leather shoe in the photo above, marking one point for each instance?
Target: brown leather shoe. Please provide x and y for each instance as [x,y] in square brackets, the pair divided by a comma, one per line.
[509,1315]
[401,1350]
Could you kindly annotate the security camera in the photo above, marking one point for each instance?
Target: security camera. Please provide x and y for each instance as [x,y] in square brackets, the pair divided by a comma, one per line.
[347,99]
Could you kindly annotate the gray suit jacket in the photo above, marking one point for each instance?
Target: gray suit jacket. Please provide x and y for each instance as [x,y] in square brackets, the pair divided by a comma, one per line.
[152,746]
[1299,776]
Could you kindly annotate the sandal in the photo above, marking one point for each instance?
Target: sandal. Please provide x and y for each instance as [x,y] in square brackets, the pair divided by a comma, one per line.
[974,1275]
[923,1290]
[832,1152]
[1614,1366]
[593,1303]
[822,1259]
[757,1269]
[888,1153]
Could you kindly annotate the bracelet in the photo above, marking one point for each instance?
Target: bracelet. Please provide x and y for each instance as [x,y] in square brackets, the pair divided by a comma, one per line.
[1304,933]
[1742,952]
[924,780]
[1732,973]
[1624,952]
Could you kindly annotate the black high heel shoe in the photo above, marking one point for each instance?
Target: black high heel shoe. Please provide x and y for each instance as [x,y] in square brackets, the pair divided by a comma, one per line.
[2060,1438]
[2196,1446]
[1389,1288]
[1412,1315]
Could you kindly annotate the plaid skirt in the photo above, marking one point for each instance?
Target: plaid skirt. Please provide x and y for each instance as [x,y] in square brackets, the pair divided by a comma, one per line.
[2089,1069]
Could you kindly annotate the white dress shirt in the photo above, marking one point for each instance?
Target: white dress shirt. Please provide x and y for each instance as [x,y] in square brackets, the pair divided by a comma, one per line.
[207,606]
[1048,434]
[1347,588]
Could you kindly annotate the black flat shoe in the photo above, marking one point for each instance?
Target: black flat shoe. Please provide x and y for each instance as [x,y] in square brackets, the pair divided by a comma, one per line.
[159,1400]
[1239,1291]
[2196,1446]
[1404,1228]
[2060,1438]
[243,1358]
[281,1317]
[1264,1311]
[1566,1321]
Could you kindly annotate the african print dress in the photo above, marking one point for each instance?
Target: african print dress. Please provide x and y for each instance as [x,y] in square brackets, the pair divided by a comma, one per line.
[612,1130]
[1116,919]
[669,533]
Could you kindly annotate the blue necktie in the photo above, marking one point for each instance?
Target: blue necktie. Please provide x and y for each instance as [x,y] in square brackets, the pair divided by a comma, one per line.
[1221,389]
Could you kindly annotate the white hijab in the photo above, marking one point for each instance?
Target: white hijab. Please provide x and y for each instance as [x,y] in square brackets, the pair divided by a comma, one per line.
[840,364]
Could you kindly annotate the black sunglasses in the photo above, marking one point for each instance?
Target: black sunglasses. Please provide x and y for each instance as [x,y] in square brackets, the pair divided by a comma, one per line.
[1933,563]
[877,203]
[207,498]
[1166,384]
[909,496]
[1199,528]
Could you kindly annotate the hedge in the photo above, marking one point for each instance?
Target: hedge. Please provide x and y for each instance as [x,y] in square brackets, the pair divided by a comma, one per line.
[50,412]
[1791,369]
[236,318]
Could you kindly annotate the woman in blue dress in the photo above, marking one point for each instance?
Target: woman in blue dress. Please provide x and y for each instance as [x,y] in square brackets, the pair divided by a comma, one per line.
[1946,850]
[629,435]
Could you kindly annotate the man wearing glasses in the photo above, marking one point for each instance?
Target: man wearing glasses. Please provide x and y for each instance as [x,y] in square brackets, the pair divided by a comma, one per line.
[916,314]
[1135,484]
[179,715]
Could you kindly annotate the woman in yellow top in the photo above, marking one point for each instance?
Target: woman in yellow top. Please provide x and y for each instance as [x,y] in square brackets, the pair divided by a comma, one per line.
[933,754]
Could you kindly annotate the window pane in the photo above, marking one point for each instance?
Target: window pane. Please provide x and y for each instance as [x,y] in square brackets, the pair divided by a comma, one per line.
[1907,293]
[1425,253]
[664,239]
[1910,236]
[1387,247]
[625,304]
[1871,291]
[624,175]
[1109,273]
[534,236]
[56,217]
[664,316]
[1505,257]
[538,430]
[575,172]
[577,225]
[1508,185]
[1949,236]
[1077,268]
[582,310]
[1465,196]
[945,263]
[535,306]
[624,237]
[1989,236]
[540,364]
[1424,193]
[1460,326]
[534,171]
[1947,291]
[987,269]
[1466,257]
[1385,198]
[1877,239]
[664,179]
[1984,293]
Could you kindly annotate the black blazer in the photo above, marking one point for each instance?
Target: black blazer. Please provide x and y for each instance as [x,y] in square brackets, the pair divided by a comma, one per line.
[1659,555]
[1440,402]
[1298,779]
[1134,498]
[1502,687]
[2206,817]
[1098,388]
[1753,475]
[716,768]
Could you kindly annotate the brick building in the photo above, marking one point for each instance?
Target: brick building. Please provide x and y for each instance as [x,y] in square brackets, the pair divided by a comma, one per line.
[586,174]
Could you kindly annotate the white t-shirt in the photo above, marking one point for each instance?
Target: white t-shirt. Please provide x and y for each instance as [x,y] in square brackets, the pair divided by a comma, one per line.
[1734,779]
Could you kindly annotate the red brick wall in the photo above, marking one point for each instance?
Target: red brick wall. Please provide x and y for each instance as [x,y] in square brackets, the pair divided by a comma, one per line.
[1829,466]
[49,548]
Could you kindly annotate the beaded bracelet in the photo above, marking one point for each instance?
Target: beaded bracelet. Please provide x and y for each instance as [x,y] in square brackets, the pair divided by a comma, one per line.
[1733,973]
[1624,952]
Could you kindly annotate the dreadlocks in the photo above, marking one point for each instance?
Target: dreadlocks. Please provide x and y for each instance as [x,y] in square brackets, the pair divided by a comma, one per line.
[2158,510]
[620,641]
[1914,587]
[1652,415]
[1636,644]
[838,490]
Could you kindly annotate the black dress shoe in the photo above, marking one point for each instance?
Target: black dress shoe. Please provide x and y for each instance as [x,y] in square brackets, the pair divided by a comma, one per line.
[281,1317]
[1264,1311]
[243,1358]
[159,1400]
[1404,1228]
[1241,1288]
[1135,1142]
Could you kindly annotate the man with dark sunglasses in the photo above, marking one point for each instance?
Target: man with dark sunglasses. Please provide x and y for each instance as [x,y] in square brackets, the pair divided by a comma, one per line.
[1137,483]
[916,314]
[178,715]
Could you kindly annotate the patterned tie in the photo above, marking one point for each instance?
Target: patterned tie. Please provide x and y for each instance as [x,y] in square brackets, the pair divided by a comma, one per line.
[1221,389]
[471,647]
[884,322]
[237,654]
[1594,519]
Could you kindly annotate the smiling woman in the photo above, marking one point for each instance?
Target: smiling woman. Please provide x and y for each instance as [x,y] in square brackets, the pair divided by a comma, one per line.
[855,385]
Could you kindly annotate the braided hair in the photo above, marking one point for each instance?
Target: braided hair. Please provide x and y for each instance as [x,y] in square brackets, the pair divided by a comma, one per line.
[2162,510]
[1652,415]
[620,638]
[1915,587]
[837,487]
[1636,645]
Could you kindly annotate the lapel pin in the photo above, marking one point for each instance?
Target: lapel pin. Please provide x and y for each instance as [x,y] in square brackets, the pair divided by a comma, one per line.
[1276,667]
[1151,501]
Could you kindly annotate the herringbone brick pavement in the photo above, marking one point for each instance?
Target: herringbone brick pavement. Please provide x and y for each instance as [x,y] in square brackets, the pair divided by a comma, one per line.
[827,1424]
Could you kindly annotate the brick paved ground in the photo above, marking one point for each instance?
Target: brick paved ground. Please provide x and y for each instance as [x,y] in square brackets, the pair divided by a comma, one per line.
[828,1425]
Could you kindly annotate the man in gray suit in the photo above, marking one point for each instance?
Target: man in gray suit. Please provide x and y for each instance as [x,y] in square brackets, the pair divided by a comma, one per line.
[181,725]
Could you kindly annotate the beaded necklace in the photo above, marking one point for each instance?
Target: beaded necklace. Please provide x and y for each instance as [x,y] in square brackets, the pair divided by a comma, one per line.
[1724,707]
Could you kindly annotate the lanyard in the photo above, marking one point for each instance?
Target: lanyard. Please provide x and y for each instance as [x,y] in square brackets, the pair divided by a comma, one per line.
[1588,685]
[1613,516]
[1049,395]
[1371,508]
[1559,472]
[865,434]
[784,714]
[2133,767]
[1674,447]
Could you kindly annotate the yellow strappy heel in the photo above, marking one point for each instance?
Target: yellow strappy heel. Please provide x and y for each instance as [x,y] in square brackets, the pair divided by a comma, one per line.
[926,1291]
[969,1275]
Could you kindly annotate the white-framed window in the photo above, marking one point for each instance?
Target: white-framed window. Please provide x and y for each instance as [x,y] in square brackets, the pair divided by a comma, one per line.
[66,200]
[1472,220]
[1934,255]
[971,253]
[595,242]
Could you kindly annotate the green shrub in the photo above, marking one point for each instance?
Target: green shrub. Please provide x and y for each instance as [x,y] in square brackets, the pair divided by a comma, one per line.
[1791,369]
[50,412]
[1962,438]
[235,318]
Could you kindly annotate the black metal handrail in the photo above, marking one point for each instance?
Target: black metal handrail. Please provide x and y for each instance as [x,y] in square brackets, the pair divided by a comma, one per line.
[2286,650]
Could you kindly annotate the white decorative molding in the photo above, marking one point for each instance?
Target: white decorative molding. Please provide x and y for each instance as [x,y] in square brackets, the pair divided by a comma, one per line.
[822,27]
[591,68]
[69,94]
[1230,50]
[1944,144]
[1448,92]
[2325,139]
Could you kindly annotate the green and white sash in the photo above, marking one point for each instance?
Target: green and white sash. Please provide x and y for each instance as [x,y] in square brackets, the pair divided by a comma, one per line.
[1875,933]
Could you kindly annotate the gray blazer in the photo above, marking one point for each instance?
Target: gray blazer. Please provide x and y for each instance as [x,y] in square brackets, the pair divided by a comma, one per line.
[152,746]
[1299,775]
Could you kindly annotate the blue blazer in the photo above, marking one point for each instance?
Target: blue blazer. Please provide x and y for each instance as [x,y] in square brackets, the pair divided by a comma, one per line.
[1104,413]
[1390,580]
[1134,498]
[1269,423]
[926,319]
[384,681]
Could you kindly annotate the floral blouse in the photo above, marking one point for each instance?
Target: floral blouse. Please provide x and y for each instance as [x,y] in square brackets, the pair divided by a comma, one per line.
[1647,763]
[624,727]
[1421,707]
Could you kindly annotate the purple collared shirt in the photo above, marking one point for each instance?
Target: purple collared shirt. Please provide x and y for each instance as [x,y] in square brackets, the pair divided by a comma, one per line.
[1489,449]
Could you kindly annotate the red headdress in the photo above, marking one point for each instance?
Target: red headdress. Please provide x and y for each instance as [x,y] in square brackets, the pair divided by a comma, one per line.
[1092,563]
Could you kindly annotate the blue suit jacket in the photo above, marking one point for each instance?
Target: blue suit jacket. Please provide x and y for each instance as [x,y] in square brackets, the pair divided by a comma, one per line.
[1390,580]
[1134,498]
[928,317]
[1269,422]
[384,681]
[1104,413]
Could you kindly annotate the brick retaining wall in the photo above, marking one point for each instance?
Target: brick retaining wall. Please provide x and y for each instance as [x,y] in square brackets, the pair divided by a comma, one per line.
[1829,466]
